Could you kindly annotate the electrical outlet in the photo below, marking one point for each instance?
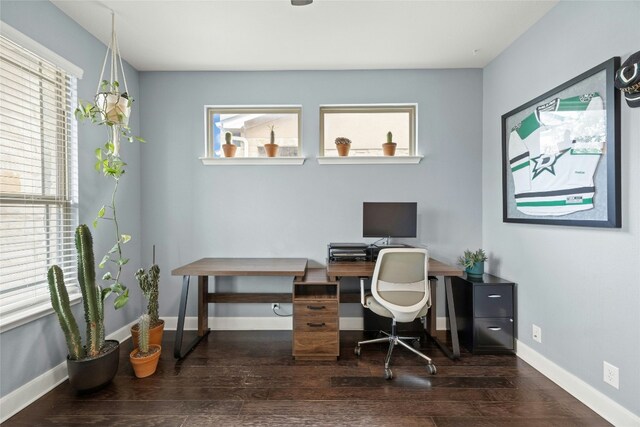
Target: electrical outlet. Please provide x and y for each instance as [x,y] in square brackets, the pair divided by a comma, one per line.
[537,333]
[611,375]
[275,306]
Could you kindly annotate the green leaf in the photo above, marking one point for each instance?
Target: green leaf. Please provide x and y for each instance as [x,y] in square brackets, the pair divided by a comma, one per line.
[125,238]
[114,248]
[121,301]
[98,163]
[107,276]
[101,212]
[104,261]
[140,139]
[98,153]
[115,84]
[105,293]
[95,223]
[123,261]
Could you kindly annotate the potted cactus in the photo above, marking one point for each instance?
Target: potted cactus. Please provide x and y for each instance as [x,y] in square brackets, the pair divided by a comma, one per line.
[148,282]
[144,358]
[94,364]
[228,148]
[343,145]
[271,148]
[389,147]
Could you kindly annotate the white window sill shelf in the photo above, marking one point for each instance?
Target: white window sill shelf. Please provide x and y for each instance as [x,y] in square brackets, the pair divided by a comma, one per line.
[29,315]
[249,161]
[370,160]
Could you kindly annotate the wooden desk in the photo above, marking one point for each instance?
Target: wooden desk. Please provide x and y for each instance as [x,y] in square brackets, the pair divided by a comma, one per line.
[336,270]
[205,267]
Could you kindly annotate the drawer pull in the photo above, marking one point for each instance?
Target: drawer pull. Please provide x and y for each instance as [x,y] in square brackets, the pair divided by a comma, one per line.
[495,328]
[316,307]
[316,325]
[495,296]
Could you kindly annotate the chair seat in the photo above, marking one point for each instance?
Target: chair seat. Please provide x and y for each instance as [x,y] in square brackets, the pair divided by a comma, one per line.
[378,309]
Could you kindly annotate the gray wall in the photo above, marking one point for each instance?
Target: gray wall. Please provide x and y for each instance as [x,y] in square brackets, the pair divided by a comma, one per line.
[191,211]
[39,345]
[579,284]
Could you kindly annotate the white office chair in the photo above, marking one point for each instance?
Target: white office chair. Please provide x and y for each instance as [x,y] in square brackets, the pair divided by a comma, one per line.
[400,290]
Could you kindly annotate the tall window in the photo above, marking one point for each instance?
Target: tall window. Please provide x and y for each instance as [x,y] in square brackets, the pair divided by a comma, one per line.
[366,126]
[38,181]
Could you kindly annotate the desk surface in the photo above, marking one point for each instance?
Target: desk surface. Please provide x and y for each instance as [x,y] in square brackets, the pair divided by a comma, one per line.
[365,269]
[244,267]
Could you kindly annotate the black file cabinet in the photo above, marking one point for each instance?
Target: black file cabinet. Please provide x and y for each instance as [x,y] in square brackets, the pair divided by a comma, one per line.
[485,312]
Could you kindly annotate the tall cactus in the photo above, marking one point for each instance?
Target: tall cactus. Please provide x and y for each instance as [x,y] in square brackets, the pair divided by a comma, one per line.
[149,285]
[143,337]
[389,138]
[91,293]
[60,303]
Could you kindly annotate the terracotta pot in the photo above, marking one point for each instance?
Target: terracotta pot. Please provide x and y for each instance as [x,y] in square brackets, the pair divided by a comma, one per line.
[343,149]
[271,150]
[147,365]
[155,334]
[389,148]
[94,373]
[229,150]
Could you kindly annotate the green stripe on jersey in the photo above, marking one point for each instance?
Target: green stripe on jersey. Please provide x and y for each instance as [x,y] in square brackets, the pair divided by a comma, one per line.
[520,166]
[556,203]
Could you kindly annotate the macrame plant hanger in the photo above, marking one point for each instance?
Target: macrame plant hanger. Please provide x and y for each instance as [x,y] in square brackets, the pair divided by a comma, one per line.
[114,106]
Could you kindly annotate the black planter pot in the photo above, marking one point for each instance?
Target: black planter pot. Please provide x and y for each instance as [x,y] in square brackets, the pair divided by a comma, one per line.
[92,374]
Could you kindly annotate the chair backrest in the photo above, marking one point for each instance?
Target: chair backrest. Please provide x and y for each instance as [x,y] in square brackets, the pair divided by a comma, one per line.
[400,282]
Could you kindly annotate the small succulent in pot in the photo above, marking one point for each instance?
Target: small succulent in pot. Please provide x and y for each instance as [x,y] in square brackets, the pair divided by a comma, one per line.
[343,145]
[271,149]
[389,147]
[473,262]
[228,148]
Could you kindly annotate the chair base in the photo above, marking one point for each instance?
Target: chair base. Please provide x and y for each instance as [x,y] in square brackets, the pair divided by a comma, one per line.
[395,340]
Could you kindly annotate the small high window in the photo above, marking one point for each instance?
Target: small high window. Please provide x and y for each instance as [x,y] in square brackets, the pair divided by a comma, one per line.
[366,126]
[250,128]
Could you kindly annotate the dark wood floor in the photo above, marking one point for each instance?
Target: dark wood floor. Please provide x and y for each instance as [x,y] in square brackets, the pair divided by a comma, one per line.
[250,379]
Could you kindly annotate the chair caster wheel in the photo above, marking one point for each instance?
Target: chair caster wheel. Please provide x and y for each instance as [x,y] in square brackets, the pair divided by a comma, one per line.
[388,374]
[432,369]
[356,351]
[416,344]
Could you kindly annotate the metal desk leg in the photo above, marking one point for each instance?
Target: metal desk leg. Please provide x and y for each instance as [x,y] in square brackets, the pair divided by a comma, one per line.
[453,324]
[177,350]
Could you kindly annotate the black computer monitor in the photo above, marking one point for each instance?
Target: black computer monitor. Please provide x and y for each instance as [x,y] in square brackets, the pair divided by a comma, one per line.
[389,219]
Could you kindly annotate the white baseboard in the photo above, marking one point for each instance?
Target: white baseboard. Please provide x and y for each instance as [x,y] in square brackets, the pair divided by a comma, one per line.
[603,405]
[267,323]
[25,395]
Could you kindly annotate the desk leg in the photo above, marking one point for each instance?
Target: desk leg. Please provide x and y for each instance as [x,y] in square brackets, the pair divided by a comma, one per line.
[453,324]
[177,349]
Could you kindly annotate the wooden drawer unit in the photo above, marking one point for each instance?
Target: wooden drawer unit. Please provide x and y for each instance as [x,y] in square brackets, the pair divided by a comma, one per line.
[316,305]
[485,313]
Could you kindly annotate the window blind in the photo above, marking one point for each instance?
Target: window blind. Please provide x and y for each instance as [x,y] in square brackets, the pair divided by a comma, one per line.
[38,181]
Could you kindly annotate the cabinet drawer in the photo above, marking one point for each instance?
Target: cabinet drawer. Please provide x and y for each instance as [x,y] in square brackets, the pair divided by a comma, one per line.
[319,324]
[313,309]
[493,333]
[493,301]
[315,343]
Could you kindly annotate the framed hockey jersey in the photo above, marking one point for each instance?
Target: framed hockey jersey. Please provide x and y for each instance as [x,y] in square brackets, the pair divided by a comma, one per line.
[561,154]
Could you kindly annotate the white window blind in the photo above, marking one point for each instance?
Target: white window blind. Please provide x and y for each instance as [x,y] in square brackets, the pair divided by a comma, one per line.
[38,181]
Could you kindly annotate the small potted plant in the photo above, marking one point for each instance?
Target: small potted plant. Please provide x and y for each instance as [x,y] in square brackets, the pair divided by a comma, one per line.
[149,286]
[271,148]
[144,358]
[94,364]
[343,145]
[473,262]
[228,148]
[389,147]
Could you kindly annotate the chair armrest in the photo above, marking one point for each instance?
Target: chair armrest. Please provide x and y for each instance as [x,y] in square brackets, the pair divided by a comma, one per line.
[362,279]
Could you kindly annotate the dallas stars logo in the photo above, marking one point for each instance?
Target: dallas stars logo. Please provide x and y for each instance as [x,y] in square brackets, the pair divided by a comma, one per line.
[546,162]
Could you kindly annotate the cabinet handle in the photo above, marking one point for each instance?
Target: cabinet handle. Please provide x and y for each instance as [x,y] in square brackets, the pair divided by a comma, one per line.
[495,296]
[316,325]
[495,328]
[316,307]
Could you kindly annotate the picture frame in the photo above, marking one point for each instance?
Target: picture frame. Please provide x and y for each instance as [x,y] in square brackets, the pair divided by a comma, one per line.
[561,154]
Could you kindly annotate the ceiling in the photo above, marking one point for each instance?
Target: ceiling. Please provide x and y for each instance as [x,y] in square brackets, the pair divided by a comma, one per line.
[189,35]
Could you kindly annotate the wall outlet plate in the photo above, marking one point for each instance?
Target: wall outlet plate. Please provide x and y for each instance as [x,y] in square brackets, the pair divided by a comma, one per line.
[275,306]
[537,333]
[611,375]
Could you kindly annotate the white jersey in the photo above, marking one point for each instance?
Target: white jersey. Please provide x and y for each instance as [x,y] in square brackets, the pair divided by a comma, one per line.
[553,155]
